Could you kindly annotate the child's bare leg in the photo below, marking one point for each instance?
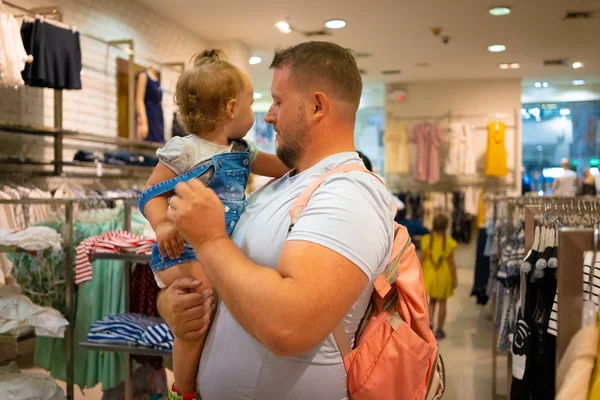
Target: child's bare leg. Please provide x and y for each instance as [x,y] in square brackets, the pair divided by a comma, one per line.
[442,314]
[432,303]
[186,353]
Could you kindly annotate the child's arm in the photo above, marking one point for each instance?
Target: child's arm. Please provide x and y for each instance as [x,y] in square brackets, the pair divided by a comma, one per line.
[270,165]
[453,270]
[169,241]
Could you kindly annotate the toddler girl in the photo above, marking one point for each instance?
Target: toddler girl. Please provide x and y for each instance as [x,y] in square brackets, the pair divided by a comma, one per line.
[214,99]
[439,270]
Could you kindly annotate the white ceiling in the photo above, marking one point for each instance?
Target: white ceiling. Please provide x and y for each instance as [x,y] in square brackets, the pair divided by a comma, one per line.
[397,34]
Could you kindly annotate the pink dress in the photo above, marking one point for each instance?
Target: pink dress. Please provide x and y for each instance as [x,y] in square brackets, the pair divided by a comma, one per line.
[428,138]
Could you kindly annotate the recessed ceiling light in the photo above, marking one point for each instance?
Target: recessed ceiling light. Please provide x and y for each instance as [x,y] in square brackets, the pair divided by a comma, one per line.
[509,66]
[504,66]
[515,66]
[283,27]
[257,96]
[497,48]
[577,65]
[254,60]
[578,82]
[335,23]
[538,84]
[499,11]
[545,84]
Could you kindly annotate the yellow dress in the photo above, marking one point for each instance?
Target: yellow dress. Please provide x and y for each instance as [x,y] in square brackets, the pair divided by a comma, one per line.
[438,281]
[496,164]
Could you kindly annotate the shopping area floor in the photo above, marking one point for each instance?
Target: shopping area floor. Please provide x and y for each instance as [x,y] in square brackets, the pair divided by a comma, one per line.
[466,350]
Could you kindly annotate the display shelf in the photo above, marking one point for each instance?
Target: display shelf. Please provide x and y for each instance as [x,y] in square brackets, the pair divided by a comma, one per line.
[140,258]
[14,339]
[123,348]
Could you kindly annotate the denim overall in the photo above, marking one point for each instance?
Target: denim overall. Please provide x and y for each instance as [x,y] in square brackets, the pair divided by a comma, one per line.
[229,183]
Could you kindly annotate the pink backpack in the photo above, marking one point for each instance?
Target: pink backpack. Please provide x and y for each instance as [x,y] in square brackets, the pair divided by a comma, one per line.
[395,356]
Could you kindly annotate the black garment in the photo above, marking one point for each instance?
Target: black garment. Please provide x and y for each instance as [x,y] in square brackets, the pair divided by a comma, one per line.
[482,269]
[56,56]
[539,379]
[588,189]
[401,215]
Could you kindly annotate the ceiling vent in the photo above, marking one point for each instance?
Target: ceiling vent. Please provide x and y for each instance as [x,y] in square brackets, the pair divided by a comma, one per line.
[560,62]
[390,72]
[322,32]
[362,54]
[579,14]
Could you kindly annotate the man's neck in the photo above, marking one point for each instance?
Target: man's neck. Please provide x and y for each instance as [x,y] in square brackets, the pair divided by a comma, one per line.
[318,150]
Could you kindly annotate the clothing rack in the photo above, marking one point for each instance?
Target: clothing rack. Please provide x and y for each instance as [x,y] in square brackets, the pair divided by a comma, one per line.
[125,45]
[69,262]
[573,243]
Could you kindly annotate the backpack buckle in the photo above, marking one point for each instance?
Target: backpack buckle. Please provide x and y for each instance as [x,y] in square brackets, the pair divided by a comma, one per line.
[382,286]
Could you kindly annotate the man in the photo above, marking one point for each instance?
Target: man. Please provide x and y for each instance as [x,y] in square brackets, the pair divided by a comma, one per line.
[283,289]
[565,185]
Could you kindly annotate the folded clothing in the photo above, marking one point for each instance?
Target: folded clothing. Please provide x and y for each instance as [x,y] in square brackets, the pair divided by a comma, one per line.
[33,238]
[132,329]
[18,314]
[15,385]
[113,242]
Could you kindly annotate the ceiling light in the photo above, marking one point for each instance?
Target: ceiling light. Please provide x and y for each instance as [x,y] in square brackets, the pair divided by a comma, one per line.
[565,111]
[504,66]
[545,84]
[577,65]
[497,48]
[515,66]
[578,82]
[538,84]
[283,27]
[510,66]
[499,11]
[335,23]
[254,60]
[257,96]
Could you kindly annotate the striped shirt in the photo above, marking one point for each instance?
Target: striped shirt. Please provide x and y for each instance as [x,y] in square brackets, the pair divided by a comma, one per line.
[132,329]
[114,242]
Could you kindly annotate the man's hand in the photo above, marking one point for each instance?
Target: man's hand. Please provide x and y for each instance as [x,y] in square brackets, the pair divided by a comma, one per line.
[197,214]
[187,313]
[169,241]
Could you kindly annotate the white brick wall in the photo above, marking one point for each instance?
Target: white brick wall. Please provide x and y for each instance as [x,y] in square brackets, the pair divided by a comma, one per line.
[94,108]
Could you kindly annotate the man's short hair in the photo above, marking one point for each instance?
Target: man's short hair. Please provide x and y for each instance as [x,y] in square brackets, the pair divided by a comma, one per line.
[325,62]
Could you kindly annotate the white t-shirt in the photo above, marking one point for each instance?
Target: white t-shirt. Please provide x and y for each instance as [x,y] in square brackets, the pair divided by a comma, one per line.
[181,154]
[566,184]
[351,213]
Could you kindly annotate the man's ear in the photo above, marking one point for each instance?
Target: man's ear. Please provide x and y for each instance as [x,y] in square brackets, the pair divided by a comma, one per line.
[321,105]
[231,108]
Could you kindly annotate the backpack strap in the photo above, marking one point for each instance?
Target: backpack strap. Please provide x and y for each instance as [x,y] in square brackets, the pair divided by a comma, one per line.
[339,333]
[302,200]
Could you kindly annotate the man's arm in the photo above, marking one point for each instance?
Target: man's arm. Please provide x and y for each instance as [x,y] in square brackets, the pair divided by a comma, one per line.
[289,310]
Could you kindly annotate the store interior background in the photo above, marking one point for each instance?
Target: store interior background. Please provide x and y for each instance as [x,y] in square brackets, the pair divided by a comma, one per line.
[444,82]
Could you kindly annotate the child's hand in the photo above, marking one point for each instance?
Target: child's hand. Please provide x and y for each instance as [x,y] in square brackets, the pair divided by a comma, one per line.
[169,240]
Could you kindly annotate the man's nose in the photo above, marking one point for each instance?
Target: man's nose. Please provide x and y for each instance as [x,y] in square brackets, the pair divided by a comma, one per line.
[270,116]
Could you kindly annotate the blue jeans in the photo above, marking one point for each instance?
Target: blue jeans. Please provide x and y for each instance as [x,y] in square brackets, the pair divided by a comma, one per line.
[228,182]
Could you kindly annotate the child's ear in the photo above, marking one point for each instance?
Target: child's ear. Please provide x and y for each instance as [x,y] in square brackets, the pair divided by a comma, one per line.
[231,108]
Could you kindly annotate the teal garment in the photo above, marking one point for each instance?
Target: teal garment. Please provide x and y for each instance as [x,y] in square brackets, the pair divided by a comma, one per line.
[97,298]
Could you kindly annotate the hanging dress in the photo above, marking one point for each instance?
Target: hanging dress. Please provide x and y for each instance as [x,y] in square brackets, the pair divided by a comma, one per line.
[396,149]
[154,111]
[496,161]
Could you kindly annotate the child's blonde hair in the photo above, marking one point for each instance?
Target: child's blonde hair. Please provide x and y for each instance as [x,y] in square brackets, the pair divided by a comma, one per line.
[203,91]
